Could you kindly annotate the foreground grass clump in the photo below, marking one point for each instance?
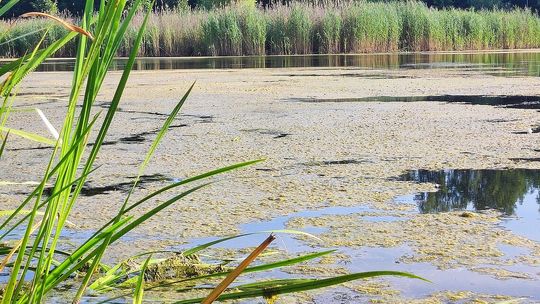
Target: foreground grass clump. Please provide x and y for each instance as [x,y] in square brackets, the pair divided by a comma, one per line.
[303,28]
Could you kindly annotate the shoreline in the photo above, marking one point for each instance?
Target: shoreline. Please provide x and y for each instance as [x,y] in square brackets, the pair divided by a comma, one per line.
[466,52]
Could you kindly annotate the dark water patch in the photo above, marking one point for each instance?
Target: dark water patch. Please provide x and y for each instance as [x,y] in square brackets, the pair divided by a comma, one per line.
[89,190]
[351,75]
[30,148]
[276,134]
[504,190]
[335,162]
[530,131]
[265,169]
[504,101]
[142,112]
[282,135]
[500,120]
[526,159]
[201,118]
[139,137]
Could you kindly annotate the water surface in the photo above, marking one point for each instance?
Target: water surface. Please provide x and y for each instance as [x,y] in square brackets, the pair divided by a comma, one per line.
[514,192]
[505,64]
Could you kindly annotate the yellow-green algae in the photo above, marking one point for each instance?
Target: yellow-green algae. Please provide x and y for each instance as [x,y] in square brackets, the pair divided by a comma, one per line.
[446,240]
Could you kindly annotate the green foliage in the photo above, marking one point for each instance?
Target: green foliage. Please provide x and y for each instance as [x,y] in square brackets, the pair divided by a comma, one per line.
[371,27]
[329,33]
[254,29]
[215,4]
[47,6]
[278,41]
[301,28]
[76,7]
[221,33]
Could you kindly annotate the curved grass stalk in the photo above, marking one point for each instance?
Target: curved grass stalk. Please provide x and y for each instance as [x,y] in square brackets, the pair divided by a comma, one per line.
[62,22]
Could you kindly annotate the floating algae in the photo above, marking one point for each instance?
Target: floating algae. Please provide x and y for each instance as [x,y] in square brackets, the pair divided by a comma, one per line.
[446,240]
[180,266]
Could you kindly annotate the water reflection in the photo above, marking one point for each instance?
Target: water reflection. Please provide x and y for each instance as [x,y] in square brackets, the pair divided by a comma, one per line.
[504,190]
[504,101]
[500,64]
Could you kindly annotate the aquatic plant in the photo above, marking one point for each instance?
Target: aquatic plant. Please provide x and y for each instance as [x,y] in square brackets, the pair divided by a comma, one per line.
[301,28]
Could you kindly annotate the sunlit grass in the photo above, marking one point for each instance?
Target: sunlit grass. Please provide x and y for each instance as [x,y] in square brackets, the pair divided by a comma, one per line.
[302,28]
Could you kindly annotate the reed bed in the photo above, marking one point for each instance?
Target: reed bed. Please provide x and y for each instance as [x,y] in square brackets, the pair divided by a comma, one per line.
[304,28]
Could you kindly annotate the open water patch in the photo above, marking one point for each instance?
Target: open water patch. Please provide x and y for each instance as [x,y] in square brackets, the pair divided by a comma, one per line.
[503,101]
[513,192]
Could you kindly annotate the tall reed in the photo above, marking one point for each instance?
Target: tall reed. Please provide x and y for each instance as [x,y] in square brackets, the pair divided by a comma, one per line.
[308,27]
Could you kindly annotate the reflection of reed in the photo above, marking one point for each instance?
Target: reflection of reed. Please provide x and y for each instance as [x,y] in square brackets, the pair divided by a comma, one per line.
[505,63]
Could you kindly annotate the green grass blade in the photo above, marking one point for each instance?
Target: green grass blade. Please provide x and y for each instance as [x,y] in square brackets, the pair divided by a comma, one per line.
[209,244]
[305,286]
[51,173]
[181,183]
[165,128]
[2,148]
[139,289]
[6,7]
[259,268]
[30,136]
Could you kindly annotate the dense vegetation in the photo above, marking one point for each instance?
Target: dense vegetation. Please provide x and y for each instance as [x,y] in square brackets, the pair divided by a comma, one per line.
[352,27]
[76,7]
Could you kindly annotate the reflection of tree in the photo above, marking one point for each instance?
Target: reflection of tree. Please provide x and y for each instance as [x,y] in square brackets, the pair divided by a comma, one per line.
[478,189]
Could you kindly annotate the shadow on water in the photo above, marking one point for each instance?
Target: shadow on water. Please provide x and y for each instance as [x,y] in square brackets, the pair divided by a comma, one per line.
[512,101]
[89,190]
[504,190]
[507,63]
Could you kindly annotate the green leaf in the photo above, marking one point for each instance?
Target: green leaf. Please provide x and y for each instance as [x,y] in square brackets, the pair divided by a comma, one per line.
[6,7]
[139,289]
[3,146]
[302,286]
[30,136]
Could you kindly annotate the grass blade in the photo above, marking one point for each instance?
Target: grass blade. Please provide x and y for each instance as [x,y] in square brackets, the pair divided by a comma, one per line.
[139,290]
[305,286]
[28,135]
[3,144]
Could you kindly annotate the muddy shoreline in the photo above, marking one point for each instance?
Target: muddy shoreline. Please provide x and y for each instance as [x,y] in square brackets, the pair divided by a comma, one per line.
[318,154]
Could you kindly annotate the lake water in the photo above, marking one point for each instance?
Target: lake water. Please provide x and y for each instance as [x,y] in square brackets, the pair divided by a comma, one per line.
[499,64]
[515,193]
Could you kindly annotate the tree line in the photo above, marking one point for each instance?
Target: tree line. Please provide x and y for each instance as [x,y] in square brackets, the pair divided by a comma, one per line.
[75,7]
